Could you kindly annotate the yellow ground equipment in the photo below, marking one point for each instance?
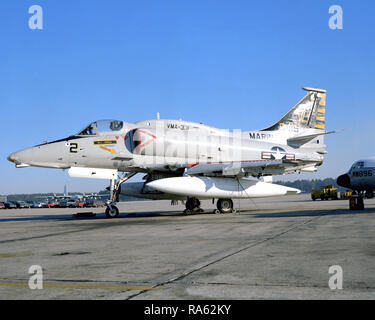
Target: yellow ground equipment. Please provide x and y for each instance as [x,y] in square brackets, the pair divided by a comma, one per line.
[325,193]
[345,194]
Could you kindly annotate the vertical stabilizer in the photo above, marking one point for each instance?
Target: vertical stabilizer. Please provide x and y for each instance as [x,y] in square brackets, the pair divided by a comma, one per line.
[309,112]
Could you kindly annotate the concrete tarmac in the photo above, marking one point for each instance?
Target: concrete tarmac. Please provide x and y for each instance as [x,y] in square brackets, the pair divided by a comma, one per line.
[275,248]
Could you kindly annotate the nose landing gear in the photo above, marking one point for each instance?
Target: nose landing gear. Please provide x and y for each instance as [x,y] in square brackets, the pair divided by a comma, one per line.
[356,201]
[112,211]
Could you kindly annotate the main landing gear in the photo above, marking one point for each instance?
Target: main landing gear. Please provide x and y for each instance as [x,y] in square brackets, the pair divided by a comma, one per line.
[223,206]
[192,205]
[112,211]
[356,201]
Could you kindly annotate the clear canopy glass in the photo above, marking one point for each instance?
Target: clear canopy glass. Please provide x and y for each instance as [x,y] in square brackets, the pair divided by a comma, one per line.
[357,165]
[100,126]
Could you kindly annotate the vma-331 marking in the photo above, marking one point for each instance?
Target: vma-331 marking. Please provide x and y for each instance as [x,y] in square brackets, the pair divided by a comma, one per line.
[190,161]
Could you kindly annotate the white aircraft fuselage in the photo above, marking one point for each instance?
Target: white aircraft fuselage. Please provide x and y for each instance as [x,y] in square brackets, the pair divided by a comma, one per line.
[191,160]
[360,177]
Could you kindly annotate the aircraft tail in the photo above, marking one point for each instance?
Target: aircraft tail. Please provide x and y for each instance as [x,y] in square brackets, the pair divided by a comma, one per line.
[308,113]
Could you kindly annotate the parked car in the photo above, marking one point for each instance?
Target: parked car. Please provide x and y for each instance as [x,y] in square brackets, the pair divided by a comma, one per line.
[34,204]
[63,204]
[22,204]
[10,205]
[94,203]
[43,204]
[2,205]
[52,204]
[76,204]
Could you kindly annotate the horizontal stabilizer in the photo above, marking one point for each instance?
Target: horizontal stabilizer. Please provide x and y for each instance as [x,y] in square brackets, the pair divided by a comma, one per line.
[300,140]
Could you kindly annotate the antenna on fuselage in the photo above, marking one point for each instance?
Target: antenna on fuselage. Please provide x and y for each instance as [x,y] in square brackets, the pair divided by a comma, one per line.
[157,116]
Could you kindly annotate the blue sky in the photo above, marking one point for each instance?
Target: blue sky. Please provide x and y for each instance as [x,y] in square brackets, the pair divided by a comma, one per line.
[229,64]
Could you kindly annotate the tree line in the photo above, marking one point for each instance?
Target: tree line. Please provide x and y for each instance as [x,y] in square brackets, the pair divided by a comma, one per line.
[309,185]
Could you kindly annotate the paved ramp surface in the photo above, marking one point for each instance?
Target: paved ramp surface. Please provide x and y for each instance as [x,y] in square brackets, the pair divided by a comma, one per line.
[276,248]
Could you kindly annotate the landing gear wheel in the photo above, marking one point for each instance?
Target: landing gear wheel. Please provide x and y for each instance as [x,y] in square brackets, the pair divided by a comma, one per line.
[112,212]
[225,205]
[192,204]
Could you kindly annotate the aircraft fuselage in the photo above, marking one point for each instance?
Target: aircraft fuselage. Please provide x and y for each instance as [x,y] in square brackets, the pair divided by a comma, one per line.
[163,145]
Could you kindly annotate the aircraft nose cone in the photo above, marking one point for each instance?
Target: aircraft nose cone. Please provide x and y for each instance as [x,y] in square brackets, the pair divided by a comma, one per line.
[11,158]
[344,181]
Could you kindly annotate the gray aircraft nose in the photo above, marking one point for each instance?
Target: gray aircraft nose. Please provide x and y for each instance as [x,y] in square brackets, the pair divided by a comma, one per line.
[17,157]
[12,158]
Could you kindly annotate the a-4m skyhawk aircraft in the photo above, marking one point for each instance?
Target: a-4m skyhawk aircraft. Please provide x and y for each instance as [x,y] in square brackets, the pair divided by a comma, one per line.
[190,161]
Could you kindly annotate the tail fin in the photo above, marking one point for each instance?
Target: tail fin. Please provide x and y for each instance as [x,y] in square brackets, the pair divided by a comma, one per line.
[309,112]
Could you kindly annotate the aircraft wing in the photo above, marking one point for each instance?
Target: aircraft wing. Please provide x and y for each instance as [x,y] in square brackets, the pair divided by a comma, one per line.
[257,167]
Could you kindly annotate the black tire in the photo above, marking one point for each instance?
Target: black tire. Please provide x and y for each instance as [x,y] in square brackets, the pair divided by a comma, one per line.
[112,212]
[225,205]
[192,203]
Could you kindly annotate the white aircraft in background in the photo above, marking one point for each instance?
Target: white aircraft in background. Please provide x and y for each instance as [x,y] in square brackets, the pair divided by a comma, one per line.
[360,177]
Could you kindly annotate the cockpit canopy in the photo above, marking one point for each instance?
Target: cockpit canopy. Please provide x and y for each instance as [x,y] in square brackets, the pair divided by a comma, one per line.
[97,127]
[357,165]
